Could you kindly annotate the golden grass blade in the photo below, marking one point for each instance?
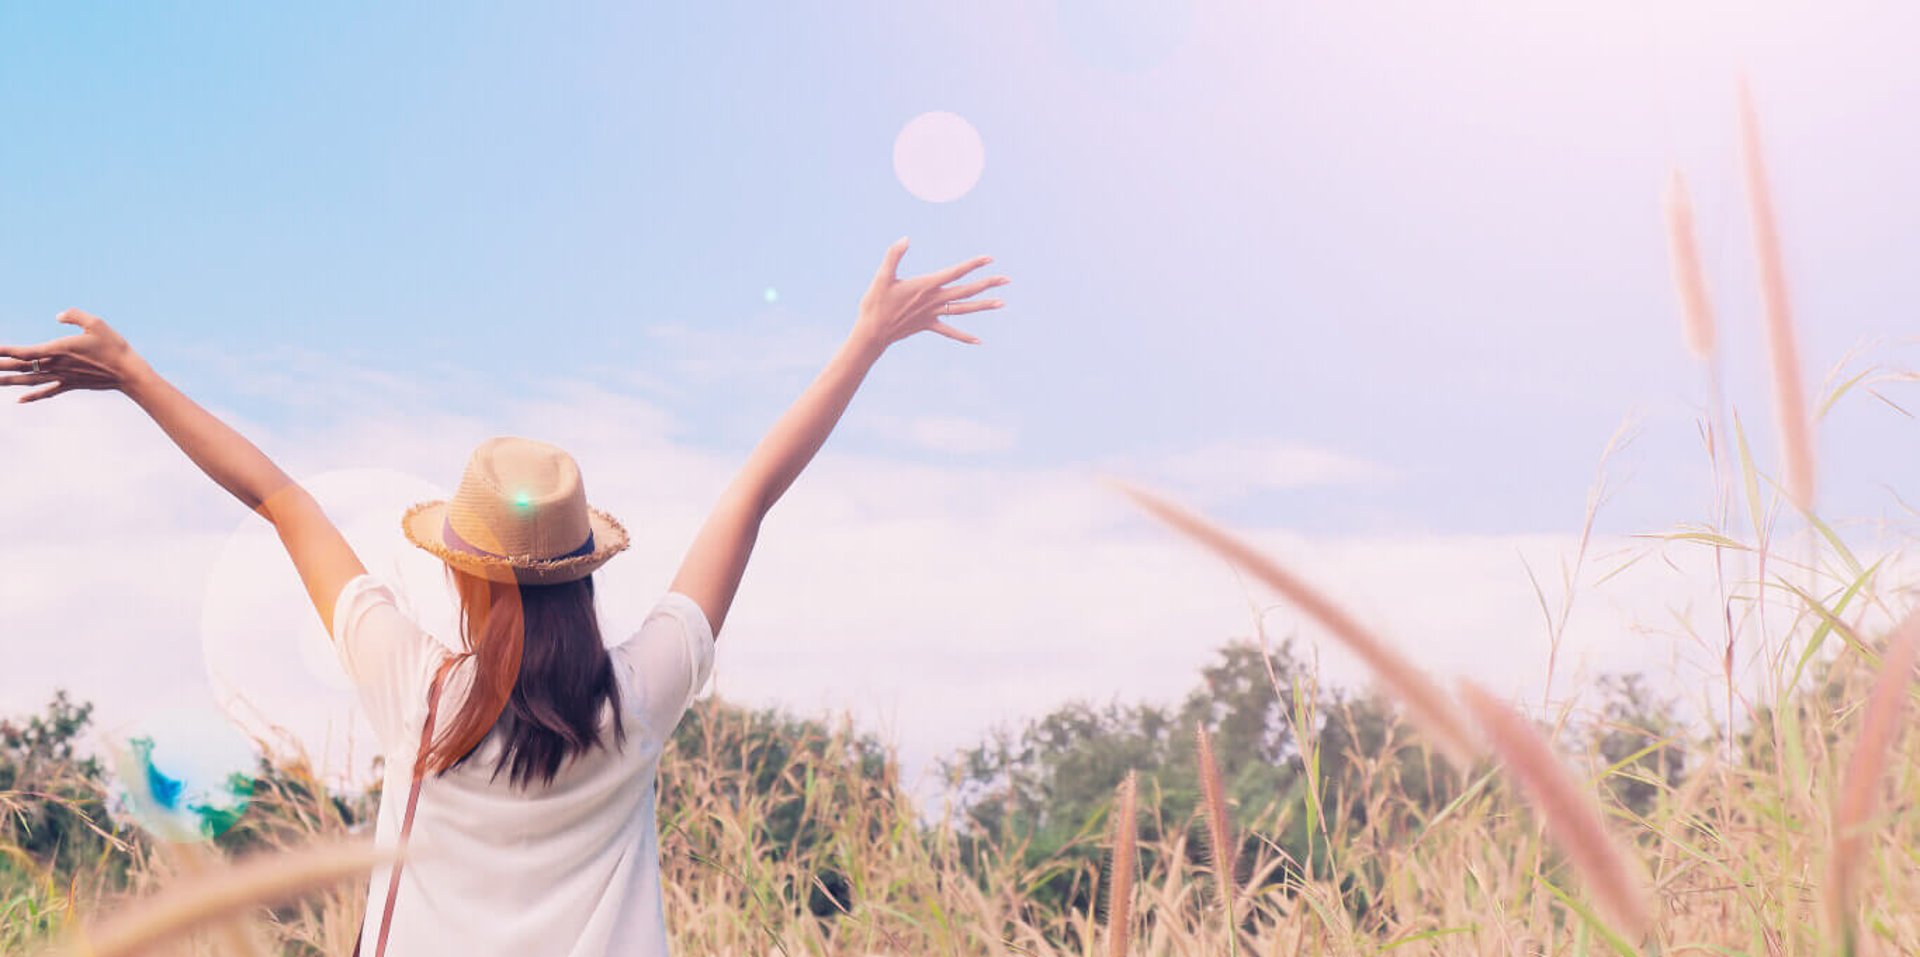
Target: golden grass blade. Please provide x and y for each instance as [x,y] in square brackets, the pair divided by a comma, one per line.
[1696,312]
[1120,896]
[1428,707]
[1219,832]
[197,861]
[1860,787]
[1789,392]
[1571,814]
[149,924]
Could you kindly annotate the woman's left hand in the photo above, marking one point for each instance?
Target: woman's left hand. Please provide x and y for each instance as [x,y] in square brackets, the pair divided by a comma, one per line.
[96,358]
[895,308]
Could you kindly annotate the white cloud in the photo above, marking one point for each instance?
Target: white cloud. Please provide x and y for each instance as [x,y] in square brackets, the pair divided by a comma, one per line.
[310,380]
[947,434]
[952,433]
[932,601]
[1227,470]
[769,343]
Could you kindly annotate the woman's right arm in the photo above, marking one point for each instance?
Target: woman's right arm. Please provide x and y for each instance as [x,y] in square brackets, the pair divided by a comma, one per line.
[891,310]
[98,358]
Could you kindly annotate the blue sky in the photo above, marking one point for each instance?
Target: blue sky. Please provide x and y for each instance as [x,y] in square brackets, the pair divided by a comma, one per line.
[1363,273]
[1425,238]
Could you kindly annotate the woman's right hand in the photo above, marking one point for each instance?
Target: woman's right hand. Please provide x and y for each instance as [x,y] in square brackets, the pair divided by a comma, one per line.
[895,308]
[95,358]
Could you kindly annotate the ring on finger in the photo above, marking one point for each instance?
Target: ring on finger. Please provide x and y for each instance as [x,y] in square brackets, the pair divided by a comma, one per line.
[35,367]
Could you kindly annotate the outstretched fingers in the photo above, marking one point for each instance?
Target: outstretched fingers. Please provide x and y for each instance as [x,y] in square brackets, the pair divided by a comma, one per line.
[962,308]
[957,270]
[46,393]
[890,263]
[23,354]
[88,359]
[957,301]
[973,288]
[952,333]
[51,380]
[79,317]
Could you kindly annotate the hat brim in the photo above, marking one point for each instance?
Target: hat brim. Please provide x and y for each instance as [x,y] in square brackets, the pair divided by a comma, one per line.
[423,523]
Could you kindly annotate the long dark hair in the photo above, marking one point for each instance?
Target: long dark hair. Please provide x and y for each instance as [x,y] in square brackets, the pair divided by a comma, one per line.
[541,675]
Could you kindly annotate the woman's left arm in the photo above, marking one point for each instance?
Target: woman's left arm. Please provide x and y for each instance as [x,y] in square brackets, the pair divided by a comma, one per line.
[99,358]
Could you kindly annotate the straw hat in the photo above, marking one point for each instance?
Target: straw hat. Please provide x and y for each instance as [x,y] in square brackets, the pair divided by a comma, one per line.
[519,515]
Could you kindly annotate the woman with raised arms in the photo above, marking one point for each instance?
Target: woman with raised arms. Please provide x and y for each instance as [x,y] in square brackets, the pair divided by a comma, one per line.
[519,772]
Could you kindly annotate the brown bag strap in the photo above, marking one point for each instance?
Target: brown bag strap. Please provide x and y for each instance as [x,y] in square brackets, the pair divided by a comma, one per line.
[406,822]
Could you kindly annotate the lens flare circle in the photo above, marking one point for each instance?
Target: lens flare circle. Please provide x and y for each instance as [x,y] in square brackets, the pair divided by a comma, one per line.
[272,666]
[180,774]
[938,156]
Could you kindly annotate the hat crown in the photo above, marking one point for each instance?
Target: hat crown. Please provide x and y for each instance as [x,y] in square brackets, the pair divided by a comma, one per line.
[520,498]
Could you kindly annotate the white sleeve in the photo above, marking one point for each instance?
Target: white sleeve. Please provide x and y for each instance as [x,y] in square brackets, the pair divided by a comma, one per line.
[671,657]
[388,657]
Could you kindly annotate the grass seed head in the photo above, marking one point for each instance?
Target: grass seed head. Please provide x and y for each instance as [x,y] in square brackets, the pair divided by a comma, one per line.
[1696,312]
[1219,831]
[1428,707]
[1120,892]
[223,892]
[1789,390]
[1860,787]
[1571,814]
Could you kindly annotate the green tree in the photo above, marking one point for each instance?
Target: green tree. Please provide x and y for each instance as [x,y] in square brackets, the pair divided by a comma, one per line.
[1642,737]
[51,799]
[1044,790]
[792,778]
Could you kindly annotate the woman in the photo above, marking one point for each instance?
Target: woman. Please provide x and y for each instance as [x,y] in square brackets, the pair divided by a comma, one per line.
[527,762]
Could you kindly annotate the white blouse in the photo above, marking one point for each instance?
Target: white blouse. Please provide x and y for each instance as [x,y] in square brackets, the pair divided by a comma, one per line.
[569,869]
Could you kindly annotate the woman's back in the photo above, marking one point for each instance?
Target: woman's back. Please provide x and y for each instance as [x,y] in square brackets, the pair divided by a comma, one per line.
[579,844]
[568,868]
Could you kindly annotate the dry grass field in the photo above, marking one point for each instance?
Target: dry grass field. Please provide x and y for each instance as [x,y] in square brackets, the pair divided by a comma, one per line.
[1794,831]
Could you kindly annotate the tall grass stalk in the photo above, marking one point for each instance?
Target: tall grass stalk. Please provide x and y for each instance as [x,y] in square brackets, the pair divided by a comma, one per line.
[1426,703]
[1400,858]
[1122,865]
[1697,324]
[199,862]
[1220,840]
[218,895]
[1789,389]
[1689,280]
[1860,787]
[1571,815]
